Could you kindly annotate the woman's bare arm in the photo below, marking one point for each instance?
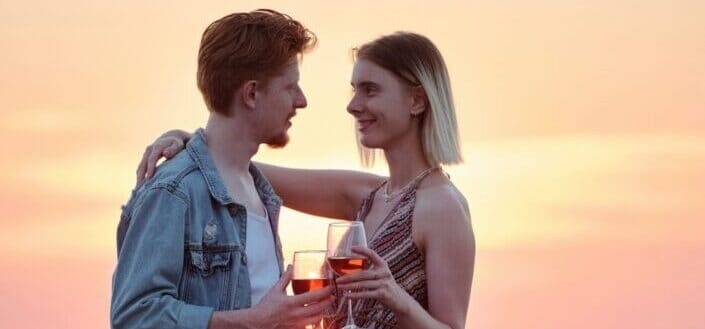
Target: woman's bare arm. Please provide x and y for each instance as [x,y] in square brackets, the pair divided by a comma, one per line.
[443,220]
[327,193]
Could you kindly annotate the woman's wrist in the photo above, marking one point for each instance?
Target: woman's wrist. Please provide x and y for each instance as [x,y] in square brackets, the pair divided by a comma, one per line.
[402,307]
[184,136]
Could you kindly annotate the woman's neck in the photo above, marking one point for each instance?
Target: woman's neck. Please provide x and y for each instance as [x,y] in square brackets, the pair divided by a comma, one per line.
[406,160]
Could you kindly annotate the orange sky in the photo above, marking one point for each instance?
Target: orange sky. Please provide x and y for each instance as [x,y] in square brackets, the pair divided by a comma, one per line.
[582,123]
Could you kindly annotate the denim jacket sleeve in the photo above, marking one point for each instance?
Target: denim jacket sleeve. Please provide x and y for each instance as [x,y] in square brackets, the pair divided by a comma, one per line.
[150,266]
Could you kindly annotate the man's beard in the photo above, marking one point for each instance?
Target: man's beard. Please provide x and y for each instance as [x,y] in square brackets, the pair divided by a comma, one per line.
[278,141]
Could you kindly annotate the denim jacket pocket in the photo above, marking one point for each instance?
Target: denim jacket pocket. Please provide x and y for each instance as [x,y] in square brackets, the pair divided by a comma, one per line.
[211,275]
[206,263]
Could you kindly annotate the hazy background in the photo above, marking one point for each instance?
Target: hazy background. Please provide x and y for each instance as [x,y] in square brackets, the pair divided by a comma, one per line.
[582,125]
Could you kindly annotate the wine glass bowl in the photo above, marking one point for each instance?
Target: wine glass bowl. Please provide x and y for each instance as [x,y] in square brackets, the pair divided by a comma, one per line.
[342,260]
[310,271]
[343,265]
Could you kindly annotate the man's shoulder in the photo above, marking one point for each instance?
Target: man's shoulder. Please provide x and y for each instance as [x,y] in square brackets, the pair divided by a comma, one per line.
[180,176]
[175,168]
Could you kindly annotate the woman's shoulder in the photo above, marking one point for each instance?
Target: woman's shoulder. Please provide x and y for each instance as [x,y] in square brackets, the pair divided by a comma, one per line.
[438,195]
[441,210]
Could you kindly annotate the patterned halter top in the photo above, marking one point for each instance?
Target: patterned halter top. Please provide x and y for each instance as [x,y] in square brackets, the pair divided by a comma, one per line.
[394,243]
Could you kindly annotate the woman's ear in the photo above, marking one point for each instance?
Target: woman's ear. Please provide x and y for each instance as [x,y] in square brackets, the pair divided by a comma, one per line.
[248,94]
[419,101]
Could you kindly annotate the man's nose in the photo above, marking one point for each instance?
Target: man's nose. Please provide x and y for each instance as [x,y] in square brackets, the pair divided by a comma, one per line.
[301,100]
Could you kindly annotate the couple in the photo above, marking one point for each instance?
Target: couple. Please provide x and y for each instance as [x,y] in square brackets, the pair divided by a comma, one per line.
[197,241]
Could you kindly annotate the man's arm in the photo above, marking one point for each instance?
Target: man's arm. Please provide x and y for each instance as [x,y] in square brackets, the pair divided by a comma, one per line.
[146,280]
[150,263]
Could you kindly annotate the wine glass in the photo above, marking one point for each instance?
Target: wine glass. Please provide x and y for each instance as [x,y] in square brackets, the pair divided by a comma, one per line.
[310,272]
[341,238]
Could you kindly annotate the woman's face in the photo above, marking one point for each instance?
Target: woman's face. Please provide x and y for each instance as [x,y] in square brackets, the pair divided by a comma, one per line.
[381,104]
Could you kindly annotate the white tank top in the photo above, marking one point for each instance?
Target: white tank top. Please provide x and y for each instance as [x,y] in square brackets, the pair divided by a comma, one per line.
[262,263]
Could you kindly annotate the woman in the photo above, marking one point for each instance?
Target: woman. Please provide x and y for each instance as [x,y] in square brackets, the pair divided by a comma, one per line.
[418,224]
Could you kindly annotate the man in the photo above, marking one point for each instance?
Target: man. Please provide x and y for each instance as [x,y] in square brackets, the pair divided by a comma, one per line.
[198,244]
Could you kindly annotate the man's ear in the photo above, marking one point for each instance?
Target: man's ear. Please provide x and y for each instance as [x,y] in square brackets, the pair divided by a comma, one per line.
[419,101]
[248,93]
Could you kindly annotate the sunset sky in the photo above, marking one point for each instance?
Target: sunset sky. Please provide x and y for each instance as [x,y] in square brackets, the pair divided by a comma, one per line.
[582,126]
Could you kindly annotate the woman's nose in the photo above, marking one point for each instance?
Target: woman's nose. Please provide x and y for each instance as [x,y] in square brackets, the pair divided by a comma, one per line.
[354,106]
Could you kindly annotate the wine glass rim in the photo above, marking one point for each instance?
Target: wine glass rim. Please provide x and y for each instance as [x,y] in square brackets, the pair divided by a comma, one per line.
[312,251]
[351,223]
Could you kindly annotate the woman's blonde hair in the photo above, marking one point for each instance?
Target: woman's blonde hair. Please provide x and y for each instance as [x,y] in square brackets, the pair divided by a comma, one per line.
[416,60]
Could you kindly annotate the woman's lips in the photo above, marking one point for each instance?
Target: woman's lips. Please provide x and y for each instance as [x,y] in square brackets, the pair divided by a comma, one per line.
[362,125]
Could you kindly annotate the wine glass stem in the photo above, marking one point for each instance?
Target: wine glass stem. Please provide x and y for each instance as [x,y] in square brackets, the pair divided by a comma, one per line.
[351,321]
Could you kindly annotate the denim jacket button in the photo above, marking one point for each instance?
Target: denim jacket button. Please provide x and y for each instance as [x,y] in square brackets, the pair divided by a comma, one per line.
[244,258]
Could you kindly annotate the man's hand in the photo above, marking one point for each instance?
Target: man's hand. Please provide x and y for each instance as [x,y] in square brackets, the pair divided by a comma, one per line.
[166,146]
[276,310]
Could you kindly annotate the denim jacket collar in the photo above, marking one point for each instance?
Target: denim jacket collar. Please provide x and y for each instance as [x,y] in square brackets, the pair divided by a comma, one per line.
[198,150]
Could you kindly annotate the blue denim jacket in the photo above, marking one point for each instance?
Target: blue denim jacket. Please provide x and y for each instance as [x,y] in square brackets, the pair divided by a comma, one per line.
[181,245]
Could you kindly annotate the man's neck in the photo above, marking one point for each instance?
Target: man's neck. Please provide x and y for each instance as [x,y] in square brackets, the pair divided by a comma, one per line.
[231,143]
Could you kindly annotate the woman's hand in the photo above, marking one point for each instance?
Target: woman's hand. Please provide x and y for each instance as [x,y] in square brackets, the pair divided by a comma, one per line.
[166,146]
[375,283]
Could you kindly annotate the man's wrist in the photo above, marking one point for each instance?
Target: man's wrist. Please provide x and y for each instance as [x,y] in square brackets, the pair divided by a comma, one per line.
[250,319]
[218,320]
[240,319]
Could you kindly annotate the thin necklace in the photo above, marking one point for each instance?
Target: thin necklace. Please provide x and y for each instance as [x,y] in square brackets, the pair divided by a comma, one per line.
[389,196]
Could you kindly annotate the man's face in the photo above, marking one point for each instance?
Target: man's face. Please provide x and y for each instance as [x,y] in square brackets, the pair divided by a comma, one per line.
[277,104]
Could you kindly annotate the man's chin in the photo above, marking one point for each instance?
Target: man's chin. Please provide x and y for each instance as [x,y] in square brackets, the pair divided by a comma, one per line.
[278,141]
